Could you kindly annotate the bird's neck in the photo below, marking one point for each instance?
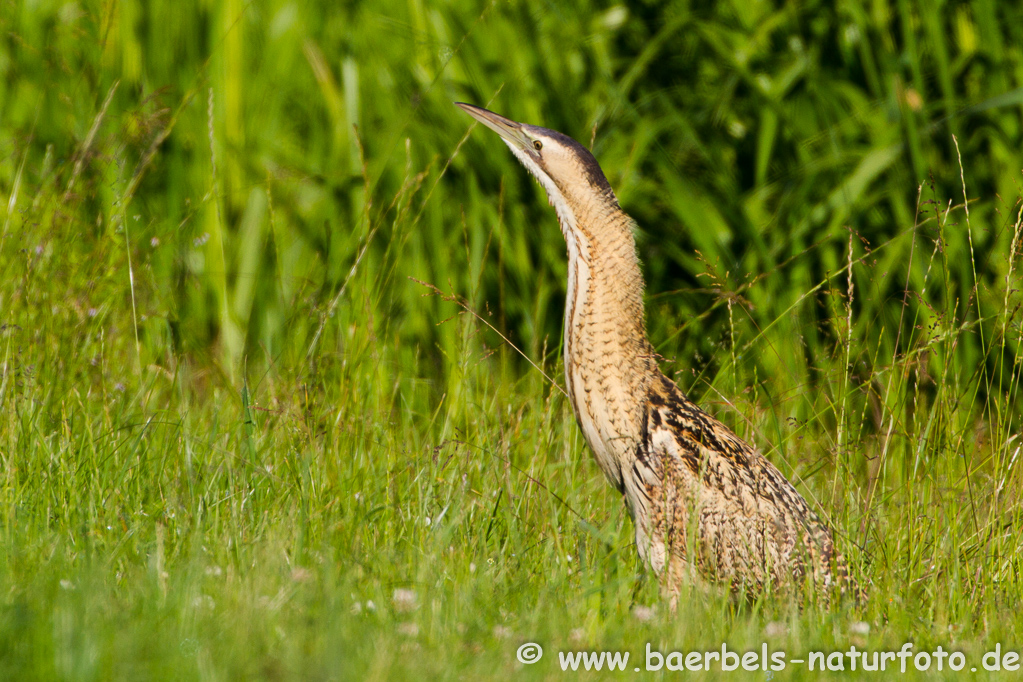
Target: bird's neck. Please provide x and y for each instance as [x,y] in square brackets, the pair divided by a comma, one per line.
[605,292]
[609,362]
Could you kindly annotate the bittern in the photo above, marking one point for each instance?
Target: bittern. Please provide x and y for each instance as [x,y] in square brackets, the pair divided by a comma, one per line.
[699,496]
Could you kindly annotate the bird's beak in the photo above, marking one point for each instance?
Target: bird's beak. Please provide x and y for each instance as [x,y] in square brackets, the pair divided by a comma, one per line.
[509,130]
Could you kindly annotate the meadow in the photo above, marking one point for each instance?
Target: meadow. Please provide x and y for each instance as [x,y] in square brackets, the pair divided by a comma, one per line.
[280,357]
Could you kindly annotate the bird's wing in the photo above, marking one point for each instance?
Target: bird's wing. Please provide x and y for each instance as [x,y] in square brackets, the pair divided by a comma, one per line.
[694,478]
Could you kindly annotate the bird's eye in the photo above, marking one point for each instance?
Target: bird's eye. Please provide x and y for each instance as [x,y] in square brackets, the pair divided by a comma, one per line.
[537,145]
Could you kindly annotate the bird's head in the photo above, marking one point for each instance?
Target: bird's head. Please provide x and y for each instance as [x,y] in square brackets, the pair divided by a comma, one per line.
[565,168]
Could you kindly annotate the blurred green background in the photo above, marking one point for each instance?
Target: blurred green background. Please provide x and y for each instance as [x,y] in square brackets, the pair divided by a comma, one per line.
[255,149]
[234,412]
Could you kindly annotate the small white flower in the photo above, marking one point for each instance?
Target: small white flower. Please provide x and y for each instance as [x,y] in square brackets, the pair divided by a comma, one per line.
[644,614]
[204,601]
[404,600]
[860,628]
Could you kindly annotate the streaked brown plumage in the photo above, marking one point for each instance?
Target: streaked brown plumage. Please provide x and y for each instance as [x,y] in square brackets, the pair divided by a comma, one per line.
[700,497]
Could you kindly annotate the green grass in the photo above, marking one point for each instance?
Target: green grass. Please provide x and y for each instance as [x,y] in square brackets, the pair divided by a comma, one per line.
[240,439]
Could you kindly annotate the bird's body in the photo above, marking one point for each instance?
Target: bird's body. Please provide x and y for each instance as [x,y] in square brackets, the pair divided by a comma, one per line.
[699,496]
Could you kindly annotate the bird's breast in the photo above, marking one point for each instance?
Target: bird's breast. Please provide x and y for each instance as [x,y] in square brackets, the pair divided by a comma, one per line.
[605,425]
[600,379]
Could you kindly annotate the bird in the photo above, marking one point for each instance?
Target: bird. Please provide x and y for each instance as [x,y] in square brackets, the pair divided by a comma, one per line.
[707,507]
